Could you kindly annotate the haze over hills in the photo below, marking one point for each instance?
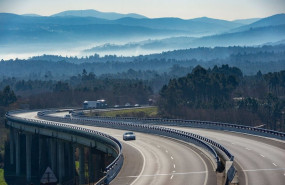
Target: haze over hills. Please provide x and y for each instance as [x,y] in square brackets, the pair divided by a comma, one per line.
[97,14]
[113,33]
[194,27]
[259,33]
[275,20]
[246,21]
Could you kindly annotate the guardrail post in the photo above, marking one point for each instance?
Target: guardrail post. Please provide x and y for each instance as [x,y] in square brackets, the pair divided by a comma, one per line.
[18,153]
[81,165]
[29,157]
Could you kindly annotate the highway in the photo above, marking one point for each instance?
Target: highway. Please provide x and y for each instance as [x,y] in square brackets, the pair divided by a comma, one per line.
[156,160]
[262,161]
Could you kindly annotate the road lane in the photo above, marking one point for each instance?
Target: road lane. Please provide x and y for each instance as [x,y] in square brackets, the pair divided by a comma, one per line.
[262,163]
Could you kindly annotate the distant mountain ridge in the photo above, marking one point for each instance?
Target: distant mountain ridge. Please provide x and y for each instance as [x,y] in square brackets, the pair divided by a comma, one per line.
[272,35]
[97,14]
[85,29]
[246,21]
[274,20]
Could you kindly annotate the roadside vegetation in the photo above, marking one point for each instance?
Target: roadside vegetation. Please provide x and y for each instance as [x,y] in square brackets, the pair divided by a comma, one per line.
[2,179]
[143,112]
[224,94]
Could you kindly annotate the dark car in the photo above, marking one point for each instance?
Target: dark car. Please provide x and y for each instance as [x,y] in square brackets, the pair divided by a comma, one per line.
[129,136]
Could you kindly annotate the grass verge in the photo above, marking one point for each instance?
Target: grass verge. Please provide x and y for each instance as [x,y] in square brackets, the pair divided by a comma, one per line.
[144,112]
[2,179]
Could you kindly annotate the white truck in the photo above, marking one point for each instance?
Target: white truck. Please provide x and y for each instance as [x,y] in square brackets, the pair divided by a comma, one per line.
[94,104]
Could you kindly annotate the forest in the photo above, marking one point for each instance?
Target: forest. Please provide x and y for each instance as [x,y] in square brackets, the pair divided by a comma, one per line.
[48,67]
[224,94]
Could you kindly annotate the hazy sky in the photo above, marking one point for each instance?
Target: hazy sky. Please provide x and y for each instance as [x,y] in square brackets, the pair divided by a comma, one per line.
[222,9]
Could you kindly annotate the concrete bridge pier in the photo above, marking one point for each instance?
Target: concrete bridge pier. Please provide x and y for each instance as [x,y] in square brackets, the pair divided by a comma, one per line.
[91,168]
[28,157]
[73,160]
[12,146]
[99,164]
[40,162]
[70,161]
[32,151]
[53,154]
[81,165]
[18,154]
[60,161]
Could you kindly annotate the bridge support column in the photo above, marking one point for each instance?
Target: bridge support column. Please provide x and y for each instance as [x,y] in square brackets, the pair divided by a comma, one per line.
[91,167]
[53,155]
[28,157]
[60,161]
[72,161]
[99,164]
[12,146]
[18,154]
[40,155]
[81,165]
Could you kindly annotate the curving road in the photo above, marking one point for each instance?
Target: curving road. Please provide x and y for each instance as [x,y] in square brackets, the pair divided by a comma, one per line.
[156,160]
[262,160]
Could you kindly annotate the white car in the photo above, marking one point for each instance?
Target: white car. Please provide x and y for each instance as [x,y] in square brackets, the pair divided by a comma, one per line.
[129,136]
[67,116]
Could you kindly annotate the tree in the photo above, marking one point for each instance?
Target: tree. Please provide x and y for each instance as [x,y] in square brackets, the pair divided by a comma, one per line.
[7,96]
[61,87]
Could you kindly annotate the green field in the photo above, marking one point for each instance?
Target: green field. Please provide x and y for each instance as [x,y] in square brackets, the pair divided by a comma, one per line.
[2,179]
[145,112]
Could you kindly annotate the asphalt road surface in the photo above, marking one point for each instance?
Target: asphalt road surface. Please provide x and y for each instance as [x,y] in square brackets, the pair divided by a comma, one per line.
[262,161]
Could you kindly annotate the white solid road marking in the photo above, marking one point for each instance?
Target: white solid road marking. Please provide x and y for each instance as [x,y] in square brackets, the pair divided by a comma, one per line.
[171,157]
[173,165]
[261,155]
[271,169]
[137,177]
[165,174]
[274,164]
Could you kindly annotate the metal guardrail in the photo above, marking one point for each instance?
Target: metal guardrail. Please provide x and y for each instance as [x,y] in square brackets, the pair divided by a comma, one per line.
[111,170]
[146,128]
[203,124]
